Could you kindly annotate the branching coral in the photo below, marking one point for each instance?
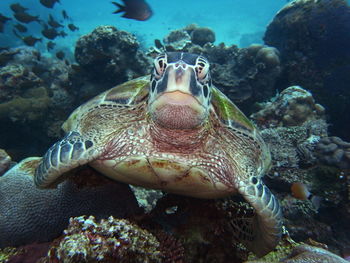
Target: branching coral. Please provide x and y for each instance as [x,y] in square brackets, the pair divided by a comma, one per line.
[110,240]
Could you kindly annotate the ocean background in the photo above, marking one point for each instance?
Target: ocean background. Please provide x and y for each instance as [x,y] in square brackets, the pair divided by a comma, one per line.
[234,21]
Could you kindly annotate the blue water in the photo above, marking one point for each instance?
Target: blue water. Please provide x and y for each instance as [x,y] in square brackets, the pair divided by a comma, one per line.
[230,19]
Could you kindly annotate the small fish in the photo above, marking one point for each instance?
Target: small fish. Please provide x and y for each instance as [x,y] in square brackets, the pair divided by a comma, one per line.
[134,9]
[65,15]
[21,28]
[4,19]
[73,27]
[49,33]
[50,45]
[300,191]
[49,3]
[158,44]
[60,55]
[17,8]
[26,18]
[6,56]
[1,27]
[28,40]
[52,22]
[63,34]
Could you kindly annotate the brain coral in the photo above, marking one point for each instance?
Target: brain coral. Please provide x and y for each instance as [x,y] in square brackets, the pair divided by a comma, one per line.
[41,215]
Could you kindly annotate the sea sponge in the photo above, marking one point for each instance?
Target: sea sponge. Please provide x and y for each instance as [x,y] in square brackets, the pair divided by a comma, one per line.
[29,214]
[269,56]
[292,107]
[333,151]
[202,35]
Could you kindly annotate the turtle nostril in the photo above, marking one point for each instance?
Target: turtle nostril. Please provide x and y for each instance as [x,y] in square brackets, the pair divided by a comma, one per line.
[179,73]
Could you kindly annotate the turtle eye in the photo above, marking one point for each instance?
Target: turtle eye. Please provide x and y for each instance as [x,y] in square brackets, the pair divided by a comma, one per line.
[160,65]
[202,68]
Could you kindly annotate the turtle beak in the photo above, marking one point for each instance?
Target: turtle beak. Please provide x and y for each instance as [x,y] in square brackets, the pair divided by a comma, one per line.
[180,79]
[177,107]
[177,87]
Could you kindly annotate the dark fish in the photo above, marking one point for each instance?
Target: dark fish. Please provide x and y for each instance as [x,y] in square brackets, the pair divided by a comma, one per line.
[49,3]
[17,8]
[73,27]
[63,34]
[49,33]
[26,18]
[60,55]
[29,40]
[134,9]
[64,14]
[21,28]
[158,44]
[4,19]
[6,56]
[52,22]
[50,45]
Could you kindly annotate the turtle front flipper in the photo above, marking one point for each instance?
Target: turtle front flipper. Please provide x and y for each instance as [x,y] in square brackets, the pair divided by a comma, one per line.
[267,225]
[72,151]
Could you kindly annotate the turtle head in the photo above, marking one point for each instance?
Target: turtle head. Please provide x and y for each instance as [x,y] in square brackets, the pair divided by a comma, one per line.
[180,90]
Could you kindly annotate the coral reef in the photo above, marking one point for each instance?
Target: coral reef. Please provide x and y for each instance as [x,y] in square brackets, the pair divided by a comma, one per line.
[209,230]
[189,37]
[177,40]
[313,53]
[201,35]
[111,56]
[7,253]
[41,215]
[288,251]
[29,84]
[246,75]
[27,253]
[333,151]
[110,240]
[146,198]
[297,157]
[294,160]
[292,107]
[5,161]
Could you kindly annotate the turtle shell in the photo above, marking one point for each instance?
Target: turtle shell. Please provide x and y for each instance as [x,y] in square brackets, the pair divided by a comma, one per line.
[112,133]
[128,93]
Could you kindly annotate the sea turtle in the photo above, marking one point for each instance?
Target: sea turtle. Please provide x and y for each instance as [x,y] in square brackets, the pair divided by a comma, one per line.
[172,131]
